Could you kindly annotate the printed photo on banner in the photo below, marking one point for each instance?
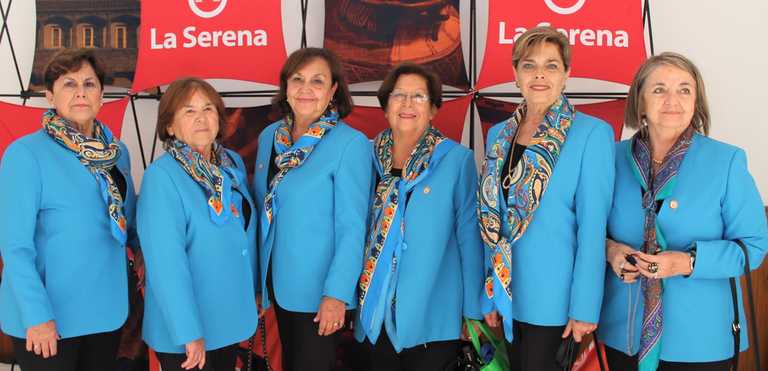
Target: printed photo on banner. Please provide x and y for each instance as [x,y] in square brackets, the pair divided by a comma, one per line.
[111,27]
[370,36]
[241,134]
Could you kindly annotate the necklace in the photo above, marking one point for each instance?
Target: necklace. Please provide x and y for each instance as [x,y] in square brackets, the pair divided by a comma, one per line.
[507,182]
[657,162]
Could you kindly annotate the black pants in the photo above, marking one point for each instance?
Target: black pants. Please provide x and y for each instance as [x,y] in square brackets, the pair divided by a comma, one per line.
[434,356]
[94,352]
[222,359]
[303,348]
[618,361]
[534,347]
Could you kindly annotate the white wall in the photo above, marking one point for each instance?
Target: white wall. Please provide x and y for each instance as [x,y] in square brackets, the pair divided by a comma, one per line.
[723,38]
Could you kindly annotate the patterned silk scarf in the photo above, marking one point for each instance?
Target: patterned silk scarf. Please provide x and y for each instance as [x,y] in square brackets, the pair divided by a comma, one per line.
[217,177]
[290,156]
[530,179]
[385,244]
[99,155]
[656,187]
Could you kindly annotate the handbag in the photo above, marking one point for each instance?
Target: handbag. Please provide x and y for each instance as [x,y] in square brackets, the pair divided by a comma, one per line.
[488,356]
[736,327]
[566,353]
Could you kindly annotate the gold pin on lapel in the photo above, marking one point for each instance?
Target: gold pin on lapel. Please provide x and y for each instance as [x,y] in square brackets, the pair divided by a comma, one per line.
[427,190]
[673,204]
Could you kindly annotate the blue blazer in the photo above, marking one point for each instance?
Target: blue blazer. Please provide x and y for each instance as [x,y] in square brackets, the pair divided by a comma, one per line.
[61,261]
[558,265]
[441,271]
[201,276]
[717,202]
[317,238]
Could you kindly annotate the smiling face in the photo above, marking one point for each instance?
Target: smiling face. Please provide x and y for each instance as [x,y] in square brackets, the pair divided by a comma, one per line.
[409,110]
[196,123]
[76,96]
[669,98]
[541,75]
[310,89]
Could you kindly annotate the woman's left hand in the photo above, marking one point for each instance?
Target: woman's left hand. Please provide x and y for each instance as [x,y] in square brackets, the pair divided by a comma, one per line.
[664,264]
[579,329]
[330,316]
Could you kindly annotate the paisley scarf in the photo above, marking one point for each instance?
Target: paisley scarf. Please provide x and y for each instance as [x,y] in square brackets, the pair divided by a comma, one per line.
[656,187]
[530,179]
[99,155]
[292,155]
[378,281]
[216,177]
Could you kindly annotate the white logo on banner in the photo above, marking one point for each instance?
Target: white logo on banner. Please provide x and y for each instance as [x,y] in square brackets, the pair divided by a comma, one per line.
[567,10]
[222,3]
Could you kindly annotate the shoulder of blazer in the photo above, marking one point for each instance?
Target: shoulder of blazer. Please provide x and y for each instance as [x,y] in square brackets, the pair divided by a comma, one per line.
[269,132]
[583,121]
[715,146]
[346,132]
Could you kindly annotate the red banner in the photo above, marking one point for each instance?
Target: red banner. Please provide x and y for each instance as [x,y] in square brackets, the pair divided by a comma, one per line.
[492,111]
[240,40]
[606,36]
[449,119]
[17,121]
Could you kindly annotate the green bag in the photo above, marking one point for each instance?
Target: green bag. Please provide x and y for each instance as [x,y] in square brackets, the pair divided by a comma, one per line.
[500,362]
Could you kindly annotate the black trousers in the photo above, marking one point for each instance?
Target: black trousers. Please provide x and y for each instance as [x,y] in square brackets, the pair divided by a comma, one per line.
[433,356]
[618,361]
[222,359]
[94,352]
[534,347]
[303,348]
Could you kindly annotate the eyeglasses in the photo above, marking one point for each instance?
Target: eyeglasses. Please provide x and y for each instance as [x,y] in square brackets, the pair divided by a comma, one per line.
[401,97]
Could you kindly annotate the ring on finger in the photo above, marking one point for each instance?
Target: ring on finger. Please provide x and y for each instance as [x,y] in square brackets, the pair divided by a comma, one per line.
[653,267]
[621,276]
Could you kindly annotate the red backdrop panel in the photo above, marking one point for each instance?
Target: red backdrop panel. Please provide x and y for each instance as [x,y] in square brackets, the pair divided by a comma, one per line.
[449,119]
[240,40]
[17,121]
[607,36]
[492,111]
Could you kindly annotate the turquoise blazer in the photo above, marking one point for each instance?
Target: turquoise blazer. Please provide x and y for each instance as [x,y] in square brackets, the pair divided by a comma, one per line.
[558,265]
[318,235]
[441,270]
[717,202]
[201,277]
[61,261]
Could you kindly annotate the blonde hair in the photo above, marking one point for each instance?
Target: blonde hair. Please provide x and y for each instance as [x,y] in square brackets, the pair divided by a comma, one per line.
[634,116]
[536,36]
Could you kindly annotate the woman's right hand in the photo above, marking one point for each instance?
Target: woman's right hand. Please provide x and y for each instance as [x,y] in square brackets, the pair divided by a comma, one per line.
[616,254]
[195,355]
[42,339]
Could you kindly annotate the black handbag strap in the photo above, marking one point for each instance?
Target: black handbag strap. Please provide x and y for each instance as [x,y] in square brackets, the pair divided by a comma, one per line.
[751,304]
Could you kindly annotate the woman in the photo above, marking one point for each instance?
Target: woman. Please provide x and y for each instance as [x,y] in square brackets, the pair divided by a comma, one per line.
[66,212]
[197,226]
[312,182]
[412,300]
[680,202]
[544,200]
